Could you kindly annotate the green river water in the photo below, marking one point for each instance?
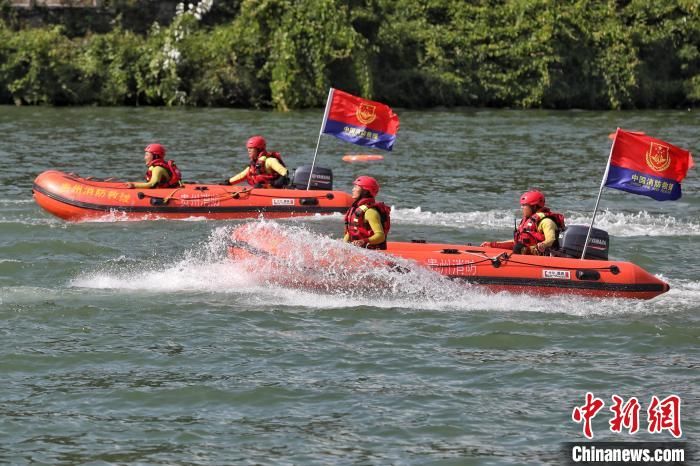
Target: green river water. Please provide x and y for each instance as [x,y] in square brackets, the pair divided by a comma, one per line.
[141,343]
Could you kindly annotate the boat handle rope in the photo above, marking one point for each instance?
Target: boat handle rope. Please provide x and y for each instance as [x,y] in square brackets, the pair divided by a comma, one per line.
[614,269]
[220,197]
[493,260]
[327,196]
[165,200]
[505,257]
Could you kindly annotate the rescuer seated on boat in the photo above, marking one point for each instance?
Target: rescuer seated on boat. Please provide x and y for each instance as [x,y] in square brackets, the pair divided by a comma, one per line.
[266,169]
[160,173]
[367,222]
[538,231]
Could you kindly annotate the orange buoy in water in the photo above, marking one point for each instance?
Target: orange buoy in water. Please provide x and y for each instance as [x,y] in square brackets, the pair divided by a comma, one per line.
[362,158]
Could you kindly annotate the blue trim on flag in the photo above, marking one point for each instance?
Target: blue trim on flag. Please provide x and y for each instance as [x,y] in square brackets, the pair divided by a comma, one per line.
[632,181]
[360,135]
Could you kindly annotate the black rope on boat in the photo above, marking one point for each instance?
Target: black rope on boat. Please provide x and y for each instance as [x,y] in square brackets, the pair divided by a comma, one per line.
[232,243]
[495,261]
[505,257]
[157,200]
[219,197]
[237,194]
[614,269]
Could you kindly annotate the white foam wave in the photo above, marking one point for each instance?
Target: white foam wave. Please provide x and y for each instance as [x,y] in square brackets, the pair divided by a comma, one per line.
[639,224]
[207,269]
[616,223]
[119,216]
[683,293]
[472,299]
[21,295]
[47,221]
[16,201]
[479,219]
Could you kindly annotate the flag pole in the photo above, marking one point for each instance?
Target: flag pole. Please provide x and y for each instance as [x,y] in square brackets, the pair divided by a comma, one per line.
[323,126]
[602,185]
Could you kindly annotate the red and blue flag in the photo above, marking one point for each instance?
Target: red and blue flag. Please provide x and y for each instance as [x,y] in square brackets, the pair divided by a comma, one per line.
[360,121]
[644,165]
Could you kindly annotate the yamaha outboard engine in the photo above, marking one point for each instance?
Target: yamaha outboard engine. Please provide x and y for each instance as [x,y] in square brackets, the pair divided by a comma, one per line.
[321,179]
[572,239]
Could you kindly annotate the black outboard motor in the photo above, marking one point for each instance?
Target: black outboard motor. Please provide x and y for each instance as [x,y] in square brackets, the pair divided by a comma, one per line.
[572,239]
[322,178]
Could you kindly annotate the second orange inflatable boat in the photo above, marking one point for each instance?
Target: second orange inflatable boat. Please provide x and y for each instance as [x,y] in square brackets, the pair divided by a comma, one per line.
[268,248]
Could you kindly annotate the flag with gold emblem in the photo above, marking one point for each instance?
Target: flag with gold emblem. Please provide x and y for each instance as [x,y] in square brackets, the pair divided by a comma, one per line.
[644,165]
[360,121]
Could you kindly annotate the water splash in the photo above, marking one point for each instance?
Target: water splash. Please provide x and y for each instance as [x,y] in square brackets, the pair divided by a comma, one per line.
[203,268]
[185,276]
[292,256]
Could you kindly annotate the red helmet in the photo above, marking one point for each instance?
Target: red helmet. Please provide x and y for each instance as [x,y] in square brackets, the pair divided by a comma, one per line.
[156,149]
[256,142]
[532,198]
[367,183]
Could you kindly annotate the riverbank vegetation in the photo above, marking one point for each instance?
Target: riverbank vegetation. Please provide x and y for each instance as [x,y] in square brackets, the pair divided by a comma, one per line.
[285,54]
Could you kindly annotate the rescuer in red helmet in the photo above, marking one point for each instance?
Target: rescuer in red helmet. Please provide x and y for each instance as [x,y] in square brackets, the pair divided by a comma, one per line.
[367,222]
[160,173]
[539,228]
[266,169]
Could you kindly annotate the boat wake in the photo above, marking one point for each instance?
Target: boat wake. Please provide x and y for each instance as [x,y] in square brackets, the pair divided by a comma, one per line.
[206,268]
[117,216]
[615,223]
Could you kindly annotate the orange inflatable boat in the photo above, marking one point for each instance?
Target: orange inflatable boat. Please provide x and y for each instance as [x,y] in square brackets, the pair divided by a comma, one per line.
[76,199]
[495,269]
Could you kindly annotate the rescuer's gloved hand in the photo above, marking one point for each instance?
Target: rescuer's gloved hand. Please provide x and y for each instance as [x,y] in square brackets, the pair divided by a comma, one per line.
[281,182]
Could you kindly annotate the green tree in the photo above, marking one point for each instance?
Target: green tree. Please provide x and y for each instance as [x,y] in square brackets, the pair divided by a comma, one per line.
[299,47]
[38,67]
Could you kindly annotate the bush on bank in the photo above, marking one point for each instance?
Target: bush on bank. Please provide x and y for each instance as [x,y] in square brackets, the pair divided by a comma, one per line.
[285,54]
